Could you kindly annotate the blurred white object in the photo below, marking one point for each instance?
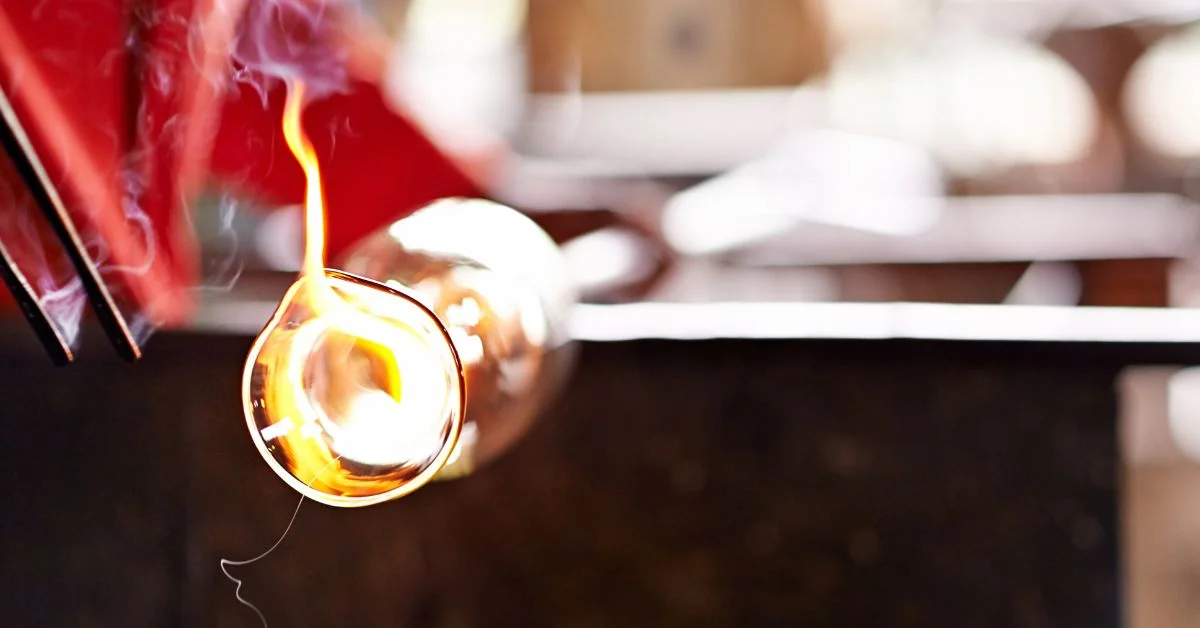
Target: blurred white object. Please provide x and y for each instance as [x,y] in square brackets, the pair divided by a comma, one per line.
[279,240]
[1183,411]
[864,21]
[1006,228]
[607,259]
[502,288]
[980,103]
[459,68]
[1162,95]
[667,133]
[1047,283]
[855,181]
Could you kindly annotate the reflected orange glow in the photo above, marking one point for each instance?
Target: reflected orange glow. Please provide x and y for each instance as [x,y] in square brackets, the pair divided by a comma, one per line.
[353,392]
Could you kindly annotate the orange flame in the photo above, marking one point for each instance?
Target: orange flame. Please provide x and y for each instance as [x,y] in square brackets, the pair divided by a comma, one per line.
[314,197]
[349,375]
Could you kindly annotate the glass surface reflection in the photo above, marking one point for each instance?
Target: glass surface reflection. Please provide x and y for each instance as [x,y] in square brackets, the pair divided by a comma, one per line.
[500,286]
[443,341]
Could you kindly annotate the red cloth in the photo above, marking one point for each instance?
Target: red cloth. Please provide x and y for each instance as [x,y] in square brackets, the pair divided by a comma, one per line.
[67,71]
[121,101]
[377,166]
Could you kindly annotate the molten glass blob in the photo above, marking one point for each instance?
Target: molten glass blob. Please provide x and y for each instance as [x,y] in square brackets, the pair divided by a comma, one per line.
[353,392]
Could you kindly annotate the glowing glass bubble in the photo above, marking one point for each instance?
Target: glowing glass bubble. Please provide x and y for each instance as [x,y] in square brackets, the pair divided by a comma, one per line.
[500,286]
[353,393]
[357,390]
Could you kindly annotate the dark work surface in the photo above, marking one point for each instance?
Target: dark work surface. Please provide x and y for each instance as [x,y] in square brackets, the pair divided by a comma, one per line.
[720,483]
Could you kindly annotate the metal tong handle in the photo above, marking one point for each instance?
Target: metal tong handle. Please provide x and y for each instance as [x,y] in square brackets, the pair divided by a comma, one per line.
[20,150]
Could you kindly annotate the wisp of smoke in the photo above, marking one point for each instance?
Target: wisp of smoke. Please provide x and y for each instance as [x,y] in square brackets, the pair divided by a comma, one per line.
[57,289]
[223,263]
[285,40]
[226,563]
[141,322]
[259,43]
[138,221]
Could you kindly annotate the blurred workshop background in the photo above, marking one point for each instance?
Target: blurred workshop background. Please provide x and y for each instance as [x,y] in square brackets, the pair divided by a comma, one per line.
[1002,152]
[1024,156]
[1015,152]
